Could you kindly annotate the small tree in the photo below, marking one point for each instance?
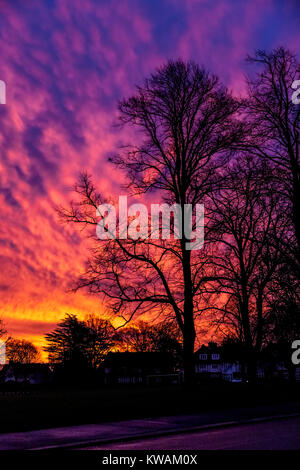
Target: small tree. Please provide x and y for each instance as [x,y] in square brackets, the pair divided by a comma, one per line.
[137,338]
[145,337]
[276,131]
[250,229]
[21,351]
[284,308]
[79,343]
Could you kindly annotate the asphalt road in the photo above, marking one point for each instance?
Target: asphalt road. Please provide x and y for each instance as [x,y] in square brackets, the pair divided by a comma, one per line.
[273,435]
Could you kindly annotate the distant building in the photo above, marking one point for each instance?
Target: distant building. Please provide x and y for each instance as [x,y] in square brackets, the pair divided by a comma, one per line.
[212,363]
[34,374]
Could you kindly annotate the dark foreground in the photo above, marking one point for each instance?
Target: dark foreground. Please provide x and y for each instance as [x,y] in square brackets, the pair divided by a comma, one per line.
[274,435]
[140,431]
[55,407]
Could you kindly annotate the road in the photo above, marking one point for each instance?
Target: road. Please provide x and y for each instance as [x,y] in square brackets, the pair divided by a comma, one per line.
[273,435]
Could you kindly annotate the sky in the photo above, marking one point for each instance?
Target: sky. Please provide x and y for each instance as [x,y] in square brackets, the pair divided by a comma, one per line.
[66,63]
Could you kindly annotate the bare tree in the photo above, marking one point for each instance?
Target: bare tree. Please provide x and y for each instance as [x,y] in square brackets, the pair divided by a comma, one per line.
[284,310]
[187,128]
[21,351]
[276,132]
[144,337]
[250,229]
[137,338]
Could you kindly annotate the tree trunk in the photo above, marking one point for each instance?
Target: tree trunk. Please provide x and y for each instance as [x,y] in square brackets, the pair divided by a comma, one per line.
[189,326]
[245,317]
[188,352]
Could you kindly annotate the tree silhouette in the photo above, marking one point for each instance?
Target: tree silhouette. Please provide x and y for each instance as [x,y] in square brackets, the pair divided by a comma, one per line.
[284,308]
[163,337]
[101,338]
[81,343]
[276,132]
[187,129]
[21,351]
[250,229]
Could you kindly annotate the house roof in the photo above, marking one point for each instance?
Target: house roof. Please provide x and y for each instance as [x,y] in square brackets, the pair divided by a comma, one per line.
[211,348]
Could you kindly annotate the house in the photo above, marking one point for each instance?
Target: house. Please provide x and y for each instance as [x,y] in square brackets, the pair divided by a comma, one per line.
[210,363]
[213,361]
[33,374]
[138,368]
